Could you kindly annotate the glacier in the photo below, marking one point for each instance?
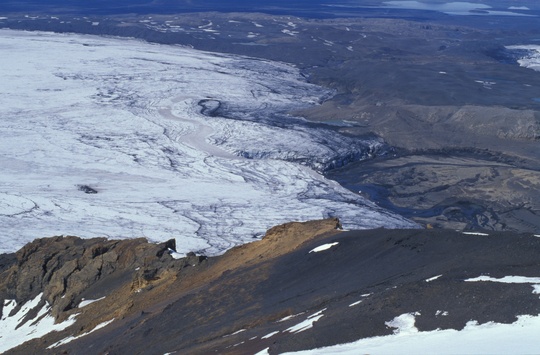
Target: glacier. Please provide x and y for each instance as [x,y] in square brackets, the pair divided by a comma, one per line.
[531,59]
[122,138]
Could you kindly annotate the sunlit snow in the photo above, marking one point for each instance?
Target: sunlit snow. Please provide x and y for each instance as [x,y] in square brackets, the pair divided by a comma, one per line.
[323,247]
[507,279]
[433,278]
[106,137]
[532,59]
[520,337]
[269,335]
[13,333]
[87,302]
[307,324]
[476,233]
[71,338]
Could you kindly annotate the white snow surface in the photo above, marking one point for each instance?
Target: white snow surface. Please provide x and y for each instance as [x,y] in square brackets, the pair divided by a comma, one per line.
[263,352]
[71,338]
[123,118]
[306,324]
[85,303]
[520,337]
[507,279]
[432,278]
[532,59]
[269,335]
[476,233]
[323,247]
[13,332]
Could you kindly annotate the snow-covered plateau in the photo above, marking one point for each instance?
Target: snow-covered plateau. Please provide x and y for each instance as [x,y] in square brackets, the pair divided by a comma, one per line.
[122,138]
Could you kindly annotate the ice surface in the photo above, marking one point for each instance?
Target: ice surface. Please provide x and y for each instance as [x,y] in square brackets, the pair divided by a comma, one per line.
[15,330]
[107,137]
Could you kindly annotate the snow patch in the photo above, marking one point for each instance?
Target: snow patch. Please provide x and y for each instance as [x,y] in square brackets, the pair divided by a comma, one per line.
[289,317]
[13,333]
[323,247]
[176,255]
[531,59]
[307,324]
[404,324]
[87,302]
[507,279]
[270,335]
[476,233]
[520,337]
[71,338]
[237,332]
[432,278]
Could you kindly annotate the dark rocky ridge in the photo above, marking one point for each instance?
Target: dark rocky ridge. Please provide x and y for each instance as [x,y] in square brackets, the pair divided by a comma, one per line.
[199,306]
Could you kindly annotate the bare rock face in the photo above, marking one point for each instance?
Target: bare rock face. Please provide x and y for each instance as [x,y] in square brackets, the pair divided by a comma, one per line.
[259,296]
[95,281]
[69,269]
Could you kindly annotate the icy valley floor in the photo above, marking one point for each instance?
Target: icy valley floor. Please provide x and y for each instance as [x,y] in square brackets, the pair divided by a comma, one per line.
[121,138]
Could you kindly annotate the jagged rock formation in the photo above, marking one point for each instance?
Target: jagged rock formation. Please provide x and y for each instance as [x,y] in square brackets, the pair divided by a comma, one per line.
[304,285]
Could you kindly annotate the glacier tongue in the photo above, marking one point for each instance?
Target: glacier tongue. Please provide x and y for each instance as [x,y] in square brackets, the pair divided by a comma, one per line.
[121,138]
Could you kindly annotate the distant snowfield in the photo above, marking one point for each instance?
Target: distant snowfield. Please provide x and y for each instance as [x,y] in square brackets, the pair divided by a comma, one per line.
[105,137]
[532,60]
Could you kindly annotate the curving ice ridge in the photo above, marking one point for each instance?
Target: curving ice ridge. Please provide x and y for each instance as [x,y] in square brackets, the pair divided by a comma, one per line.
[122,138]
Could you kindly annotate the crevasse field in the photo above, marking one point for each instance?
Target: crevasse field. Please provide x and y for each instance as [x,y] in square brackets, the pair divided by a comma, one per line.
[123,139]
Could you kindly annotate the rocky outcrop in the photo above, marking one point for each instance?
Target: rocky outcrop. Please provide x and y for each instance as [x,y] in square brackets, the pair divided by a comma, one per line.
[68,270]
[303,286]
[97,280]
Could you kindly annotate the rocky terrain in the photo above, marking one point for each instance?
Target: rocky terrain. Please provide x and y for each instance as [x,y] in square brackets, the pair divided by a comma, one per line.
[456,120]
[303,286]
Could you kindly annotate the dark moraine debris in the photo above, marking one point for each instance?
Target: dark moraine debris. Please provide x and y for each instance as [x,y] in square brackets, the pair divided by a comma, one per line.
[87,189]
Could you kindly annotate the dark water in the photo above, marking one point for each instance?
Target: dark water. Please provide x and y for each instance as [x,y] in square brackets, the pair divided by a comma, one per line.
[307,8]
[470,212]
